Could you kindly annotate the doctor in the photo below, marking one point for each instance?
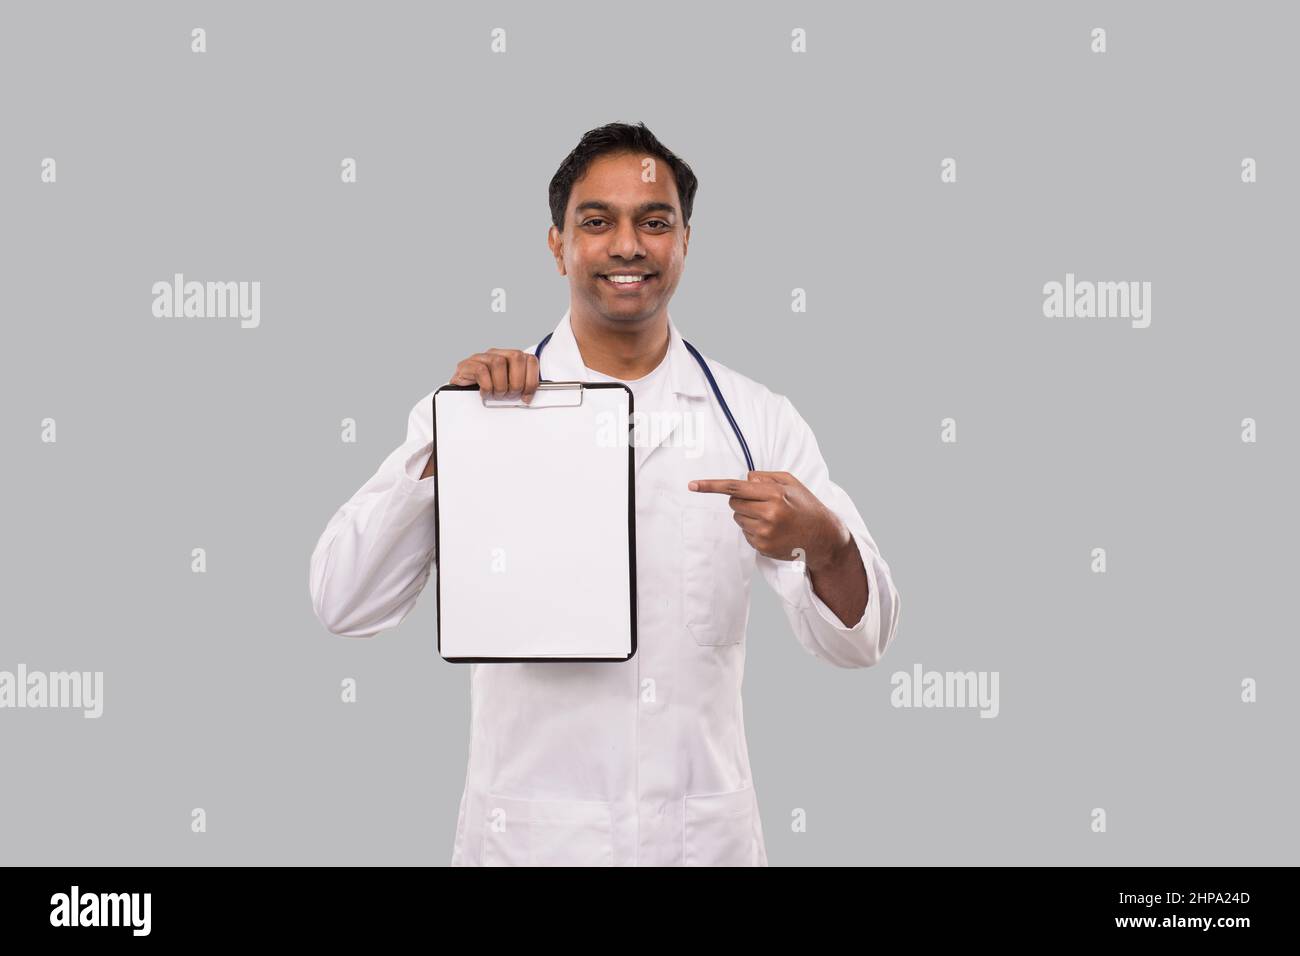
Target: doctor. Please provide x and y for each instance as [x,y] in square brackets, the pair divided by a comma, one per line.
[642,762]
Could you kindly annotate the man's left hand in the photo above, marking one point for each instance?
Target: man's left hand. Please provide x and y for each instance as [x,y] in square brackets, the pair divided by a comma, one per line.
[777,514]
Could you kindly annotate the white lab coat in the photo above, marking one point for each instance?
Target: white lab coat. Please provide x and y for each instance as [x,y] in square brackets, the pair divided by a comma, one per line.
[637,763]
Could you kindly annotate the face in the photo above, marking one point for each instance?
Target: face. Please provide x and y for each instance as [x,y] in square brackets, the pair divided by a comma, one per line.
[617,223]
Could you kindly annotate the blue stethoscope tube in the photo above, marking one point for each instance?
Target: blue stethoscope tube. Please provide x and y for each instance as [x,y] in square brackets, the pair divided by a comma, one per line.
[722,402]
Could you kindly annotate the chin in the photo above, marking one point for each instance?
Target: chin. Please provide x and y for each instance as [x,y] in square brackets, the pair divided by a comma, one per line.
[627,318]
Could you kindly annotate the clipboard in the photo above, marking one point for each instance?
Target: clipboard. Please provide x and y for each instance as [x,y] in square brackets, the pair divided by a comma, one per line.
[535,524]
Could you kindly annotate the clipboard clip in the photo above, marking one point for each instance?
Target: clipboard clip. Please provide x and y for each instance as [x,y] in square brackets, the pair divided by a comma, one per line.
[548,395]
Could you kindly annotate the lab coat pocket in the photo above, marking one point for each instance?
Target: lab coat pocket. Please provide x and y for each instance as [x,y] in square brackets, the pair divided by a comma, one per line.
[720,829]
[518,832]
[715,575]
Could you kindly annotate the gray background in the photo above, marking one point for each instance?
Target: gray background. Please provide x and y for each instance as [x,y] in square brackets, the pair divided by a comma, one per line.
[820,171]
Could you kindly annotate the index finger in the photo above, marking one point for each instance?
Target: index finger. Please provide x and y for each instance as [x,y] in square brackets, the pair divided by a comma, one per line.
[749,490]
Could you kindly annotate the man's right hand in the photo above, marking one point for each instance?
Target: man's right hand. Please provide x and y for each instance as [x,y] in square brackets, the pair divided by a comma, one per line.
[500,373]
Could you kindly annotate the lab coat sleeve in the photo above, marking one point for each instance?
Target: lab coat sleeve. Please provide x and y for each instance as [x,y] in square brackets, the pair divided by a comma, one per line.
[376,552]
[794,449]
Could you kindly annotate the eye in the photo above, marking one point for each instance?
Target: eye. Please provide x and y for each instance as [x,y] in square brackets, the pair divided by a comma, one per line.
[660,221]
[593,219]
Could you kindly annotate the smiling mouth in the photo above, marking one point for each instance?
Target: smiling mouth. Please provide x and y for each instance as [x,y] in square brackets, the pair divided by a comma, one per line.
[628,281]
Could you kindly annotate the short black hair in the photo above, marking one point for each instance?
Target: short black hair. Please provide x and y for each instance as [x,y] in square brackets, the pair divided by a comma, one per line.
[617,138]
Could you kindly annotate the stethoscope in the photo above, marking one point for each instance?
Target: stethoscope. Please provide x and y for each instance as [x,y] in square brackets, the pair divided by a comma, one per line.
[722,402]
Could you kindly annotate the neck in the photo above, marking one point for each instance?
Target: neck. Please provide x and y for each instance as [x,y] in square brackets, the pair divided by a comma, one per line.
[628,351]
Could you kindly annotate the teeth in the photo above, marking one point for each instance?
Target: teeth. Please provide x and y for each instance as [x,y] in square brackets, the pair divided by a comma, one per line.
[625,279]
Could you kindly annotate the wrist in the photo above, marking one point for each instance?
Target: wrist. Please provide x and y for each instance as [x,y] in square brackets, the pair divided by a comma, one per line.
[839,543]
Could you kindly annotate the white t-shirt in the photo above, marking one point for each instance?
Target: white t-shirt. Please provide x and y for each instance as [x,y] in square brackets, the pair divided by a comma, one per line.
[649,394]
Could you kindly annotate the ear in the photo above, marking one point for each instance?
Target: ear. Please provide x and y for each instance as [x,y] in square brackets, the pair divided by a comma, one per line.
[555,239]
[686,241]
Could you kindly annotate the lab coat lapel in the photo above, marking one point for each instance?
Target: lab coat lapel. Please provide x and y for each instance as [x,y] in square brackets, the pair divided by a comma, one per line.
[684,390]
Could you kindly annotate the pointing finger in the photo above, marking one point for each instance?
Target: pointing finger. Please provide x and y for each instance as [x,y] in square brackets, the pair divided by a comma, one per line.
[736,488]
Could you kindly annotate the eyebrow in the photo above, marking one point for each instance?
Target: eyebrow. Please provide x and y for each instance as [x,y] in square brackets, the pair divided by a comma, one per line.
[645,207]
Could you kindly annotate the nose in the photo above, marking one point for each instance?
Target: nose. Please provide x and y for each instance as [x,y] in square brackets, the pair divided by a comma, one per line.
[625,242]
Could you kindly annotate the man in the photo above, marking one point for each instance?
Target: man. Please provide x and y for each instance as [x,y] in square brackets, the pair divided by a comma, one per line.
[642,762]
